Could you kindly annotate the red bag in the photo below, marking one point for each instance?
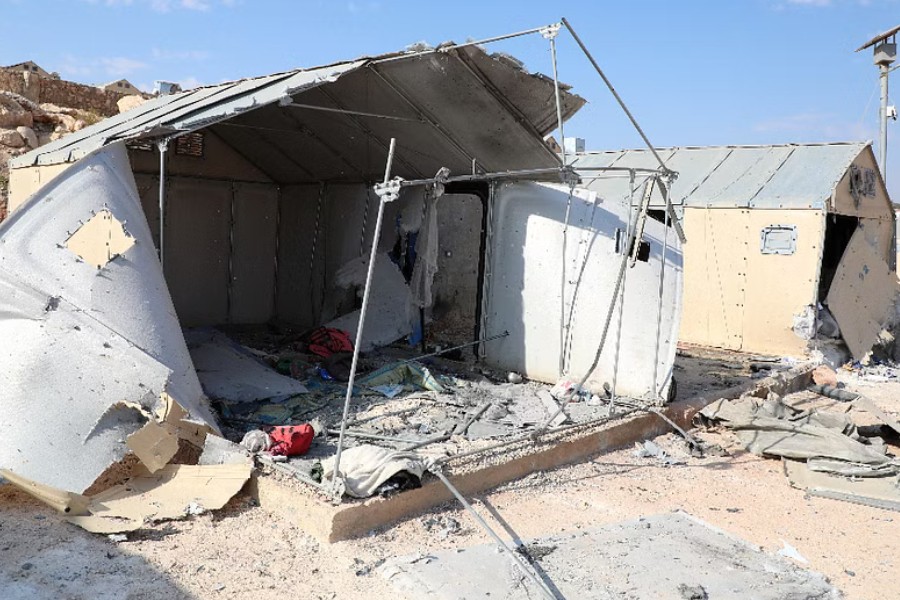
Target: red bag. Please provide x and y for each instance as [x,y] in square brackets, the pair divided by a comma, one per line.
[326,341]
[292,440]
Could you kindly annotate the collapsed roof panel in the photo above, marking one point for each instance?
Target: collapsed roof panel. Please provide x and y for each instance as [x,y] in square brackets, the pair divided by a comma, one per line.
[98,345]
[183,112]
[534,100]
[455,104]
[476,114]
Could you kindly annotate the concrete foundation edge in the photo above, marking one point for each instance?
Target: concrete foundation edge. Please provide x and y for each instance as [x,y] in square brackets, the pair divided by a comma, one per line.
[331,523]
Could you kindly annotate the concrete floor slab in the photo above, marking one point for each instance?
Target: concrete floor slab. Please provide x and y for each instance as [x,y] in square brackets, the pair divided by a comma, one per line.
[332,523]
[669,556]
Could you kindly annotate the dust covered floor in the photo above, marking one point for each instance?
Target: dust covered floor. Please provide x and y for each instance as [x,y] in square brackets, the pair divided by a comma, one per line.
[441,406]
[245,551]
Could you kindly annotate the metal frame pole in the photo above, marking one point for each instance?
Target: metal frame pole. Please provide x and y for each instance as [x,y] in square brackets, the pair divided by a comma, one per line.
[662,280]
[615,375]
[163,146]
[626,256]
[882,134]
[550,33]
[450,47]
[615,94]
[526,569]
[362,318]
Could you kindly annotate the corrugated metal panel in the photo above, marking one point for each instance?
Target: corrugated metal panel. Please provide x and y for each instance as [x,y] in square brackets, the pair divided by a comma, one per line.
[616,185]
[740,177]
[694,166]
[183,112]
[807,177]
[506,135]
[785,176]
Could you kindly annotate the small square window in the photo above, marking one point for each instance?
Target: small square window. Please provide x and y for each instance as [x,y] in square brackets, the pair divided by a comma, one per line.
[190,144]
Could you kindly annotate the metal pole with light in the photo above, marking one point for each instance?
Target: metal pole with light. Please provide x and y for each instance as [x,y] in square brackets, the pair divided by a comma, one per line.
[884,47]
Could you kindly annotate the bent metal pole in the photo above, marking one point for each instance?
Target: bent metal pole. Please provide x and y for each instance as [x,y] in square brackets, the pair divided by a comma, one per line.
[386,194]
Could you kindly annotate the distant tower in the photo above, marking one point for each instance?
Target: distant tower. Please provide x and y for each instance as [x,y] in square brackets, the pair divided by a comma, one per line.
[885,48]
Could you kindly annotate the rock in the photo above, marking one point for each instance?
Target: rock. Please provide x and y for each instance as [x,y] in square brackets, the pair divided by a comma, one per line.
[28,135]
[12,114]
[65,123]
[513,377]
[824,375]
[128,102]
[11,138]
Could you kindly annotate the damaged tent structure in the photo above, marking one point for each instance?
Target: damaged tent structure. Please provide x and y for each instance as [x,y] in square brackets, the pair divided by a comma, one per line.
[773,233]
[254,202]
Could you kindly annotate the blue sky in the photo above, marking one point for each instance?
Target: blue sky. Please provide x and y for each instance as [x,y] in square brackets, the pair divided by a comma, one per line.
[693,72]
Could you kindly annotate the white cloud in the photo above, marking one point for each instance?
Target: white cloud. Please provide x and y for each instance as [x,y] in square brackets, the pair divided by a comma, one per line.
[75,68]
[120,66]
[189,82]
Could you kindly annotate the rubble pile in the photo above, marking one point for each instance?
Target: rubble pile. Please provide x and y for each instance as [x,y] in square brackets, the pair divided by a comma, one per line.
[26,125]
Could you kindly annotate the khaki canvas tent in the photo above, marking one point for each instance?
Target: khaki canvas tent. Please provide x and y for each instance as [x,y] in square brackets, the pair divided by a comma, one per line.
[258,195]
[773,231]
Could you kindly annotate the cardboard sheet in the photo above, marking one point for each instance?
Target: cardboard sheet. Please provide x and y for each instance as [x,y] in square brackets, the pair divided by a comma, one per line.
[171,493]
[100,240]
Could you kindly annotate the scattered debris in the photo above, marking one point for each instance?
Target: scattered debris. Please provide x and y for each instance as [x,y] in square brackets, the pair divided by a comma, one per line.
[692,592]
[649,449]
[444,526]
[789,551]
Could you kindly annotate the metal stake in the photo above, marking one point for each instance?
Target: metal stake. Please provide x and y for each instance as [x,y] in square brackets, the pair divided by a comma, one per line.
[882,121]
[362,320]
[163,146]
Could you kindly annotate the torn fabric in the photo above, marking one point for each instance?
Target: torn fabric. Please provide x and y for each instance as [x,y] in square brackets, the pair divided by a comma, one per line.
[773,428]
[364,468]
[389,302]
[98,349]
[228,372]
[427,248]
[402,373]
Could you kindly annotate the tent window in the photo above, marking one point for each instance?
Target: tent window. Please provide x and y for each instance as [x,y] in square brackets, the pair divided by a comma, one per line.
[778,239]
[190,145]
[643,253]
[140,145]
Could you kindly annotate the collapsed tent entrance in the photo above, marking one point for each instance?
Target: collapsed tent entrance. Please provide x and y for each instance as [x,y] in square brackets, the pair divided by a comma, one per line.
[838,231]
[245,253]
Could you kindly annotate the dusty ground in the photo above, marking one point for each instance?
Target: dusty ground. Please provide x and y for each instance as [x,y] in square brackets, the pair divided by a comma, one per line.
[244,552]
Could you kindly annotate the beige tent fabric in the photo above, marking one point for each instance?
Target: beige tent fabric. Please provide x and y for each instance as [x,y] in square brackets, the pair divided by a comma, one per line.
[366,467]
